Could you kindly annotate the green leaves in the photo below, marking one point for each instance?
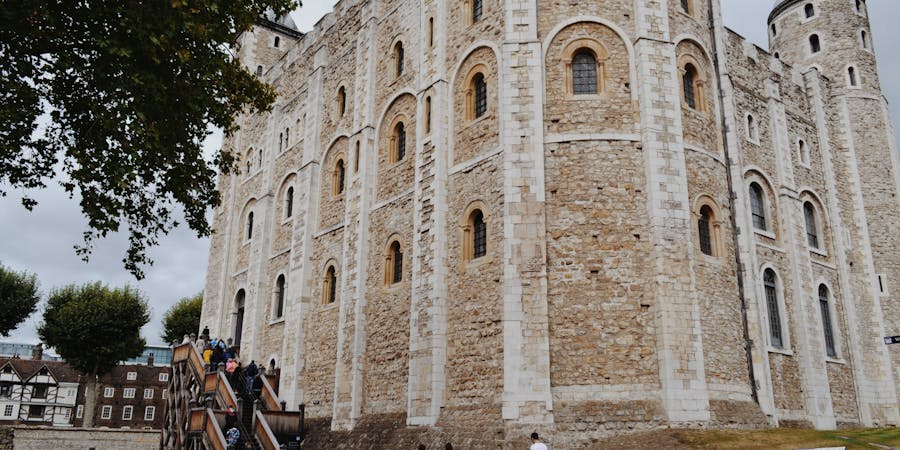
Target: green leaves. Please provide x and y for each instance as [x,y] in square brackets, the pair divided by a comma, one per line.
[131,91]
[18,298]
[93,327]
[182,318]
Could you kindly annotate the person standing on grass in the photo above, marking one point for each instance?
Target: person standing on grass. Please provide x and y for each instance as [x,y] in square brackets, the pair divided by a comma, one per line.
[536,443]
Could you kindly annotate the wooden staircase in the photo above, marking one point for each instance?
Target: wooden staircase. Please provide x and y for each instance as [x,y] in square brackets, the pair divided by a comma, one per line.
[198,398]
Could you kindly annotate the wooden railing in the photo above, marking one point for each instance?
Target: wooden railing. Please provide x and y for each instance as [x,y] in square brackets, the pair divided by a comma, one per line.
[263,434]
[218,383]
[204,421]
[267,396]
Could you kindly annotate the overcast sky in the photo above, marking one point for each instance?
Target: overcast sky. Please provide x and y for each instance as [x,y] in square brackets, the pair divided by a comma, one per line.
[42,241]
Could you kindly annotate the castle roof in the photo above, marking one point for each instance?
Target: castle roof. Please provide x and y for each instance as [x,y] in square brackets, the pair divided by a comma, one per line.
[781,7]
[284,24]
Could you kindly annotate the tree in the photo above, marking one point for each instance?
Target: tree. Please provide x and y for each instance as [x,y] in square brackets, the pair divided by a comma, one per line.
[18,298]
[93,327]
[182,318]
[116,100]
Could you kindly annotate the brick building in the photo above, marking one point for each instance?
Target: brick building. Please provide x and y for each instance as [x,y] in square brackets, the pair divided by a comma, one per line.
[464,221]
[131,396]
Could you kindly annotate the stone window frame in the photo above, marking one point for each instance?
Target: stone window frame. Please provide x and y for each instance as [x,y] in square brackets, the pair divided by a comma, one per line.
[390,276]
[687,8]
[810,48]
[751,128]
[330,280]
[276,42]
[783,321]
[820,216]
[469,8]
[833,327]
[469,83]
[803,156]
[393,157]
[398,58]
[808,7]
[865,40]
[467,236]
[752,176]
[287,205]
[601,55]
[852,77]
[356,156]
[716,233]
[860,7]
[339,179]
[279,298]
[340,102]
[700,82]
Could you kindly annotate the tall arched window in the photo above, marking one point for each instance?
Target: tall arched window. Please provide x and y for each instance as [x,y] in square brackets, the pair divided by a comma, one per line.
[287,137]
[341,102]
[814,45]
[393,264]
[340,176]
[479,235]
[277,41]
[770,285]
[803,152]
[398,58]
[259,71]
[809,10]
[279,296]
[477,8]
[851,76]
[688,79]
[289,202]
[280,142]
[704,229]
[428,114]
[329,286]
[812,234]
[686,6]
[864,37]
[827,327]
[584,72]
[356,158]
[752,129]
[250,225]
[757,207]
[480,88]
[399,141]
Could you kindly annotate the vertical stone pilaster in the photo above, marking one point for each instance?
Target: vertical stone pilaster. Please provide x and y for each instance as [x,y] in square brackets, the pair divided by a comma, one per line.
[671,290]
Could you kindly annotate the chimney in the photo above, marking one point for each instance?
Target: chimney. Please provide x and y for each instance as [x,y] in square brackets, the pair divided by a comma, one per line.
[150,360]
[37,352]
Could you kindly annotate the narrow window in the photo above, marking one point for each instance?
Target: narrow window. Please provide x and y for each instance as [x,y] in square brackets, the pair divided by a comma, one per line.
[480,87]
[287,137]
[757,207]
[259,71]
[809,10]
[865,39]
[149,413]
[686,6]
[584,72]
[106,412]
[126,412]
[279,297]
[752,129]
[398,58]
[356,158]
[330,290]
[479,235]
[339,177]
[399,142]
[858,6]
[280,142]
[688,80]
[277,41]
[803,152]
[250,225]
[260,158]
[772,305]
[812,235]
[704,224]
[774,30]
[814,45]
[476,10]
[830,349]
[396,258]
[428,114]
[851,75]
[341,101]
[431,32]
[249,161]
[289,202]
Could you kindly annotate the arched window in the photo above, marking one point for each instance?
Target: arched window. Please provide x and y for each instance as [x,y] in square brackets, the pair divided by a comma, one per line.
[329,286]
[476,10]
[428,114]
[752,129]
[393,264]
[399,142]
[259,71]
[430,32]
[340,175]
[279,296]
[814,45]
[864,37]
[356,158]
[770,285]
[851,76]
[803,152]
[757,207]
[809,10]
[686,6]
[398,58]
[827,327]
[704,229]
[584,72]
[280,142]
[249,160]
[479,235]
[341,102]
[277,41]
[480,88]
[689,78]
[250,225]
[289,202]
[773,29]
[812,234]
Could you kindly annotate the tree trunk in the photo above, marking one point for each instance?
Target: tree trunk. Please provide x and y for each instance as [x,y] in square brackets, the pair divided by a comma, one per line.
[90,400]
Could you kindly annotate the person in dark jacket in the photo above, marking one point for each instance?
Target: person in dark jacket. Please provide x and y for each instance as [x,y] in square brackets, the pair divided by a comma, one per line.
[230,418]
[250,374]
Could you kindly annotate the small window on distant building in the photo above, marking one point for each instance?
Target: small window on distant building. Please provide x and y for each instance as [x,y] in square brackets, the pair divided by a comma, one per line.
[480,87]
[106,412]
[814,45]
[339,177]
[430,32]
[773,29]
[399,142]
[128,393]
[475,235]
[259,71]
[428,114]
[36,411]
[752,129]
[127,412]
[827,327]
[165,394]
[40,391]
[5,390]
[864,37]
[277,41]
[148,393]
[686,6]
[164,377]
[330,286]
[356,158]
[8,410]
[812,232]
[149,413]
[279,296]
[393,267]
[109,392]
[584,72]
[809,10]
[131,376]
[704,229]
[250,225]
[79,412]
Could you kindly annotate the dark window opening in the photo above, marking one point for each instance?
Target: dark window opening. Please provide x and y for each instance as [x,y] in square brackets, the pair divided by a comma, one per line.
[398,56]
[757,207]
[476,10]
[812,235]
[479,235]
[397,260]
[810,10]
[704,230]
[279,294]
[826,322]
[331,280]
[480,95]
[584,72]
[401,141]
[289,202]
[688,80]
[772,305]
[250,226]
[277,41]
[39,391]
[814,45]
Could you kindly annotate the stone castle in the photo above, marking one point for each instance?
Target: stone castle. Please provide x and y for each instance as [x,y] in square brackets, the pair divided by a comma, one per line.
[466,221]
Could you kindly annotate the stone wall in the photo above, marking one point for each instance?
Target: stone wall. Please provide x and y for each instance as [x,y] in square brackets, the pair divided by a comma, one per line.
[43,438]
